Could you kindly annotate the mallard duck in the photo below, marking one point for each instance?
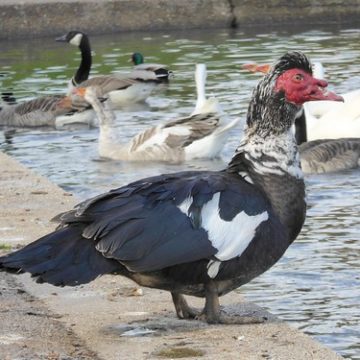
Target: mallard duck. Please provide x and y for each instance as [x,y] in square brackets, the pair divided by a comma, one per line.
[159,70]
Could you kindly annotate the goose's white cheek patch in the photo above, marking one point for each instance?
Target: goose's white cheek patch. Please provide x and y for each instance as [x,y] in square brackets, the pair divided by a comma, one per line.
[231,238]
[76,40]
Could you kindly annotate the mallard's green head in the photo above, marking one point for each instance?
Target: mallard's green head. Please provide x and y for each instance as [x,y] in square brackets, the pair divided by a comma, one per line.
[137,58]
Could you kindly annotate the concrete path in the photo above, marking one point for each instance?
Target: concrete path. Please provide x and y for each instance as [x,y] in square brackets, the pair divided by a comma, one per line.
[96,321]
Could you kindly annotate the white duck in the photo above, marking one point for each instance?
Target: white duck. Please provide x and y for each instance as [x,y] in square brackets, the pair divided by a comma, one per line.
[121,89]
[203,104]
[201,135]
[318,108]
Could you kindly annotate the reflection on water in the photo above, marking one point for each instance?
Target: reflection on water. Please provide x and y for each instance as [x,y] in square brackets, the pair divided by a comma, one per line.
[316,284]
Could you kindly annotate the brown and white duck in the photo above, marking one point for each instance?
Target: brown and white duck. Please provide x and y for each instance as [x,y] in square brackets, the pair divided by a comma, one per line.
[52,110]
[121,89]
[199,233]
[197,136]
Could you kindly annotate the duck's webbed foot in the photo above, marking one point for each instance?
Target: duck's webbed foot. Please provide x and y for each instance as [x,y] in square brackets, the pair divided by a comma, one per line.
[212,313]
[183,310]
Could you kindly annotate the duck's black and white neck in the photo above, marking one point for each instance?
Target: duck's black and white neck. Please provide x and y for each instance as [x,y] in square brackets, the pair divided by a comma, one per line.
[268,155]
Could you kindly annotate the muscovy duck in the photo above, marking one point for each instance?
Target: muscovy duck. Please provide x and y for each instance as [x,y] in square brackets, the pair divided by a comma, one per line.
[197,136]
[160,71]
[200,233]
[327,120]
[121,89]
[51,110]
[322,155]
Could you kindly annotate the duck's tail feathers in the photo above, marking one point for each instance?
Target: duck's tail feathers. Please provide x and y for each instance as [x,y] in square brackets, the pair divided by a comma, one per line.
[61,258]
[8,98]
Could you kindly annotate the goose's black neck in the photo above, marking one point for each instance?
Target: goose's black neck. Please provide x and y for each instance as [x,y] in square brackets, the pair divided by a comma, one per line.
[83,71]
[300,128]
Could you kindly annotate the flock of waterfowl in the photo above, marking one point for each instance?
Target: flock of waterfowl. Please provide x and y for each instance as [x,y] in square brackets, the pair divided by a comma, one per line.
[200,135]
[200,233]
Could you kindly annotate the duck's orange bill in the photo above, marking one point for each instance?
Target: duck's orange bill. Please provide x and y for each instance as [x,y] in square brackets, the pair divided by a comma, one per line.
[257,68]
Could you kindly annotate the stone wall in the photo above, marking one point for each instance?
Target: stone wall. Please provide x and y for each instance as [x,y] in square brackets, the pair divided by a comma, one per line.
[29,18]
[279,12]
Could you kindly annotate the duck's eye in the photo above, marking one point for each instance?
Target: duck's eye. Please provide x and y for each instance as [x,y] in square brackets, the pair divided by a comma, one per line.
[298,77]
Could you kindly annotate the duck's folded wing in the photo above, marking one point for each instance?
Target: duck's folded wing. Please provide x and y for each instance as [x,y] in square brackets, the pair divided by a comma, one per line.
[44,103]
[105,84]
[174,219]
[175,134]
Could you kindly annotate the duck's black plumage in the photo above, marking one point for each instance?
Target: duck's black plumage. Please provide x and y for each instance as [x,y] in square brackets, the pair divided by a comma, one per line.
[141,226]
[200,233]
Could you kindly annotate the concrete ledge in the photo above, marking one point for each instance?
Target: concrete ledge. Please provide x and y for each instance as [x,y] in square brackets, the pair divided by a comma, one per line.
[29,18]
[300,12]
[90,321]
[39,18]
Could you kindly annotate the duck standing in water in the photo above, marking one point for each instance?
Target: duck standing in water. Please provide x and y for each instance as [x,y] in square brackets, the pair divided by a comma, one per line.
[199,233]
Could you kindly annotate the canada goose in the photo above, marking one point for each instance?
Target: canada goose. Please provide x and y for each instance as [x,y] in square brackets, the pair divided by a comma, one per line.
[329,155]
[121,89]
[325,155]
[161,72]
[196,136]
[198,233]
[51,110]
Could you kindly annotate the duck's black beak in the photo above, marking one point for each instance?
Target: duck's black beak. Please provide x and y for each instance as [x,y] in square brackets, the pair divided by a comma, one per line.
[61,38]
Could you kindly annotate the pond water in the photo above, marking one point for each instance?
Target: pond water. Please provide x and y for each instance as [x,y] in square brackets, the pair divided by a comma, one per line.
[316,285]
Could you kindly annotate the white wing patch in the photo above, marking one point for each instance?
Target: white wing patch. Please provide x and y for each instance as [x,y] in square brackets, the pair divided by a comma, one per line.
[230,238]
[185,205]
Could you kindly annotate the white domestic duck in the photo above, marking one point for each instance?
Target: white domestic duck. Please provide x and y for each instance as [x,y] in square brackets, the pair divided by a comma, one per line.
[197,136]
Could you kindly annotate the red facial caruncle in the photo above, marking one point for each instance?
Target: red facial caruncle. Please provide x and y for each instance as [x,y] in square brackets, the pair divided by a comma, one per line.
[299,87]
